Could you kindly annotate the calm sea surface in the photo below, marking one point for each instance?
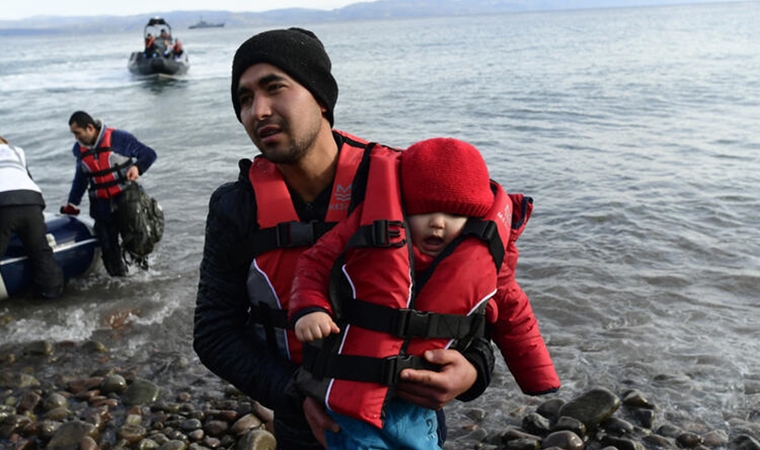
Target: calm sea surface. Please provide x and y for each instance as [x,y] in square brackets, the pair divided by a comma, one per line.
[635,131]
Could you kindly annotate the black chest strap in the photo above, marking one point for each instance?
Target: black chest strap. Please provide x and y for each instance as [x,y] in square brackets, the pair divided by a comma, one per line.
[378,234]
[322,363]
[289,235]
[409,323]
[115,168]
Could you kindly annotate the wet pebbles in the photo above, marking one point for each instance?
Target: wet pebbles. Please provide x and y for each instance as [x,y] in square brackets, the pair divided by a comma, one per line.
[80,396]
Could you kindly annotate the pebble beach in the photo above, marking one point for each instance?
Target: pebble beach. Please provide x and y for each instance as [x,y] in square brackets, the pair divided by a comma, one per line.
[629,127]
[50,399]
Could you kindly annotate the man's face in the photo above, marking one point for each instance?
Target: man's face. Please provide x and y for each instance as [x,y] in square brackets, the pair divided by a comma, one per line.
[86,135]
[281,116]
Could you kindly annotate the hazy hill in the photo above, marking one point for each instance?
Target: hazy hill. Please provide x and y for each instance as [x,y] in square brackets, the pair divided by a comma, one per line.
[375,10]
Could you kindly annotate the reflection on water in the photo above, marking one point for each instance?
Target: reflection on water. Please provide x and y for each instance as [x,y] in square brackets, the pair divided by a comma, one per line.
[624,125]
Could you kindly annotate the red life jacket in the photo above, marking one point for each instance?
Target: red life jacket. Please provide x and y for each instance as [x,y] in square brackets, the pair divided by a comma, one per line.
[282,237]
[387,318]
[106,170]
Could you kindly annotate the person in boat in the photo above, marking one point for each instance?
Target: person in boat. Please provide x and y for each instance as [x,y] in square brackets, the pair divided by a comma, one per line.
[167,42]
[107,160]
[177,49]
[150,46]
[440,264]
[21,206]
[307,178]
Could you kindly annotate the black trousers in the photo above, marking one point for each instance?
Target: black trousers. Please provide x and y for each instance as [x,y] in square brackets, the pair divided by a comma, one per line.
[107,232]
[28,223]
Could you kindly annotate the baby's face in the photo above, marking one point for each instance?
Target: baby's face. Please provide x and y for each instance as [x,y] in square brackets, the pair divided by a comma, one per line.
[432,232]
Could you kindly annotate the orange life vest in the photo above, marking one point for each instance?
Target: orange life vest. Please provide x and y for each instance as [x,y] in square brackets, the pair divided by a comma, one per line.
[282,237]
[105,169]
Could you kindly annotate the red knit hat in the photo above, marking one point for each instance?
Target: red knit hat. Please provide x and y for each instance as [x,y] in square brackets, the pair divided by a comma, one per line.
[445,175]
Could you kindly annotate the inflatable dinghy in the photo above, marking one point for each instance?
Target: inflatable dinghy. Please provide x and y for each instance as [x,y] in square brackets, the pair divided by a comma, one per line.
[75,249]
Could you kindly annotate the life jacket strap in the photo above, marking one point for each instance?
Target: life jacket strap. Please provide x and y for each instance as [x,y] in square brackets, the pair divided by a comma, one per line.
[324,364]
[269,318]
[106,185]
[410,323]
[92,151]
[289,235]
[488,232]
[116,168]
[380,233]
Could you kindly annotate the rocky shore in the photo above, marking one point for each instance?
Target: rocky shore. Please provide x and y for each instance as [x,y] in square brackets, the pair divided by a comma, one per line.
[82,396]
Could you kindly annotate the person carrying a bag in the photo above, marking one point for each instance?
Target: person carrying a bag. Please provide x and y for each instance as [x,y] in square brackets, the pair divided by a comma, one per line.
[108,161]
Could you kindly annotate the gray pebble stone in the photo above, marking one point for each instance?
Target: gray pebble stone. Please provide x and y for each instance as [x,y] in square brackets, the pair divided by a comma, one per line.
[476,414]
[113,383]
[147,444]
[617,426]
[70,434]
[535,423]
[658,441]
[54,400]
[717,438]
[190,425]
[131,433]
[689,440]
[550,408]
[523,444]
[622,443]
[636,398]
[563,439]
[258,440]
[570,424]
[140,392]
[59,413]
[40,348]
[216,427]
[245,424]
[592,407]
[174,445]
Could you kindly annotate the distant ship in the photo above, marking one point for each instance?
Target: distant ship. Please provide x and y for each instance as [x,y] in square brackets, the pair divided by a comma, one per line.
[203,24]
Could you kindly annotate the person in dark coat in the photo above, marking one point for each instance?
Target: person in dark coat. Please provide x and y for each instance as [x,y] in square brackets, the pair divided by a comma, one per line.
[284,94]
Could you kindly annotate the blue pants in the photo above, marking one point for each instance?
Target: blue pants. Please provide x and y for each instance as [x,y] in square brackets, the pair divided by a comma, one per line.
[406,426]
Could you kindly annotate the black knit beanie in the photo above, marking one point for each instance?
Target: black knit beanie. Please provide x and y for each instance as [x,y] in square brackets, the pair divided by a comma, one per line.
[297,52]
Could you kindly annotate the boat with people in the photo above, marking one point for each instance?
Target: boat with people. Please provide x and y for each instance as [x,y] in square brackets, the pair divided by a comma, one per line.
[75,249]
[203,24]
[162,54]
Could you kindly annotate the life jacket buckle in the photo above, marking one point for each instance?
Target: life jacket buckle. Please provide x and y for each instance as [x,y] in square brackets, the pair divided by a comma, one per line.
[411,323]
[384,232]
[393,365]
[491,231]
[295,234]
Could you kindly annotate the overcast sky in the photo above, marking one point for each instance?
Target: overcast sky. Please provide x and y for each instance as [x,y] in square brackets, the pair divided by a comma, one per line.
[20,9]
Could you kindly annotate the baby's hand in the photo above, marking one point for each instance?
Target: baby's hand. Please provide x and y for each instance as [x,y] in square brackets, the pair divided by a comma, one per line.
[316,325]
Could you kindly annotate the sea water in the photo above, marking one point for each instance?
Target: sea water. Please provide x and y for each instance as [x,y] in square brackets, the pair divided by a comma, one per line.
[634,130]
